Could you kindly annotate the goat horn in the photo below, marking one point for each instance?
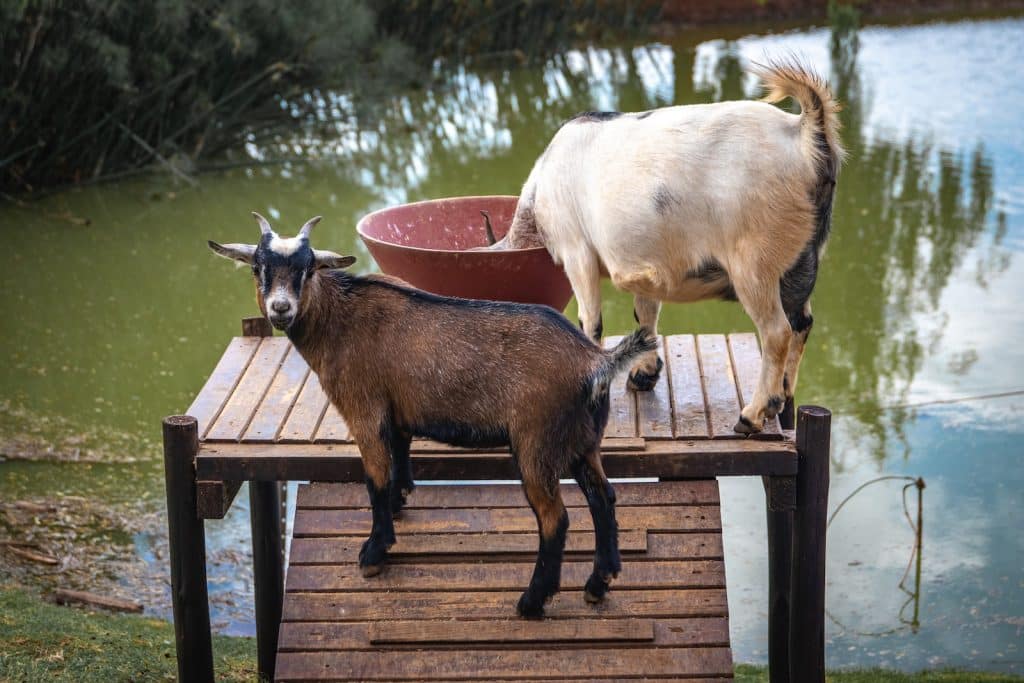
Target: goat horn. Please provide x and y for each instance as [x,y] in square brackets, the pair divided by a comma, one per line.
[304,230]
[264,224]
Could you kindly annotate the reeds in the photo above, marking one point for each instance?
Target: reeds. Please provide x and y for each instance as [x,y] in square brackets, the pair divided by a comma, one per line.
[96,89]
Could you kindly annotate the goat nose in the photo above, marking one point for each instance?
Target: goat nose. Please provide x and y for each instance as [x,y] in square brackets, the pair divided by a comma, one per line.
[280,306]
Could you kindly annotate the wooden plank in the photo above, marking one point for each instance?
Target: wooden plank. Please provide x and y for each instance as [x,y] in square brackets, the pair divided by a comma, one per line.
[477,604]
[219,385]
[654,408]
[530,665]
[746,363]
[719,386]
[504,520]
[622,411]
[683,372]
[332,428]
[609,443]
[511,631]
[435,547]
[280,398]
[318,636]
[333,635]
[503,576]
[339,496]
[305,416]
[249,392]
[639,546]
[692,459]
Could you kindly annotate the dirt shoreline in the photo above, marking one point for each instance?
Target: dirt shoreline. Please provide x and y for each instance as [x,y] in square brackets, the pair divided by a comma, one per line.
[681,13]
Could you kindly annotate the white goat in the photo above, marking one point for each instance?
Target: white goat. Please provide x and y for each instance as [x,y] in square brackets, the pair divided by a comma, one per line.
[730,200]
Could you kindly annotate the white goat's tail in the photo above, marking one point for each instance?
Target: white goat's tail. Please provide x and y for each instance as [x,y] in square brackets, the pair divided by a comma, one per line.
[616,359]
[819,120]
[819,110]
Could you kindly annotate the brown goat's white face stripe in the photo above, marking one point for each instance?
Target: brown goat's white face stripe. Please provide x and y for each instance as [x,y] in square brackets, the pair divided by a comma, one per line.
[282,266]
[286,246]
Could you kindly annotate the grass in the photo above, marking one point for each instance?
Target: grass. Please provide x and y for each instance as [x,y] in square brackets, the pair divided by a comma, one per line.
[43,642]
[759,674]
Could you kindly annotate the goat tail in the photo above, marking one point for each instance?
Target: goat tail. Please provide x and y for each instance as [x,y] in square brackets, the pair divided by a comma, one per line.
[616,359]
[819,110]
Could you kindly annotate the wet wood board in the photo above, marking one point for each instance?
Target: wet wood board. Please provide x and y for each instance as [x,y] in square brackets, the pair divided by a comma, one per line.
[262,392]
[444,608]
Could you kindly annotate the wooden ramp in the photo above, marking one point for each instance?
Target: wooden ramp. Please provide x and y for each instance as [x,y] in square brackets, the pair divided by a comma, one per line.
[444,608]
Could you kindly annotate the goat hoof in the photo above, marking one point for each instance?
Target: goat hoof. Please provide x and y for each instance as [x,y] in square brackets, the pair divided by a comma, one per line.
[596,588]
[745,426]
[372,556]
[371,570]
[642,381]
[529,607]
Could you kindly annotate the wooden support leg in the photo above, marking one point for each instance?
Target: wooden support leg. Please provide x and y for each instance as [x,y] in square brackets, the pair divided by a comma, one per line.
[807,618]
[780,499]
[268,570]
[188,551]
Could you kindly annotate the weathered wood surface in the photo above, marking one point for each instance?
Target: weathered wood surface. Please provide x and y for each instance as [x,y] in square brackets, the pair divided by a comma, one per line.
[262,392]
[444,612]
[689,459]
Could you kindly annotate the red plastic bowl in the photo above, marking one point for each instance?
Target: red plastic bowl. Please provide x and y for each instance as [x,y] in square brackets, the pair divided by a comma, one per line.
[425,244]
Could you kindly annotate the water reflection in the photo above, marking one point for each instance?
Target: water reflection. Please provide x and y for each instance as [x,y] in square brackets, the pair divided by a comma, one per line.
[119,323]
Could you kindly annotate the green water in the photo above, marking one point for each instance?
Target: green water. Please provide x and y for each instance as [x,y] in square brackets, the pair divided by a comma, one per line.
[110,326]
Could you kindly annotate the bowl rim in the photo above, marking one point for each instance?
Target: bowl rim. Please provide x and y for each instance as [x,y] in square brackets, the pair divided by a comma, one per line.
[360,228]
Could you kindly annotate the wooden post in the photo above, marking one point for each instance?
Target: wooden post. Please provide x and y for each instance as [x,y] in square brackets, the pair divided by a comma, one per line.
[188,551]
[268,570]
[780,495]
[807,618]
[257,327]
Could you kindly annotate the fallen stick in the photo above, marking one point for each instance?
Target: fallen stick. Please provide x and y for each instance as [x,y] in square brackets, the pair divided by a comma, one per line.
[27,554]
[67,597]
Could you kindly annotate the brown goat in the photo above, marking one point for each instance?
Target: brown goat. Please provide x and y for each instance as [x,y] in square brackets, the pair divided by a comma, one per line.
[400,363]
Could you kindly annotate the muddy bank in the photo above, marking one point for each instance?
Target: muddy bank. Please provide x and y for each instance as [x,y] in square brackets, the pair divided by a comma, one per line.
[699,12]
[117,551]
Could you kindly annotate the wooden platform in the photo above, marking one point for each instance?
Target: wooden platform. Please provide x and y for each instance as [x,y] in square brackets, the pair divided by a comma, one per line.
[262,411]
[262,392]
[444,609]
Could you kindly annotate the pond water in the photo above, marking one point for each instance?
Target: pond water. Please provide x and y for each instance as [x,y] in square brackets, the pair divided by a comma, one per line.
[916,348]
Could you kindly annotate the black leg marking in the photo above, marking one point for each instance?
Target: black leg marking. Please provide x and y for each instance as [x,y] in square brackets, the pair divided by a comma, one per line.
[601,500]
[641,381]
[775,404]
[402,482]
[382,535]
[547,573]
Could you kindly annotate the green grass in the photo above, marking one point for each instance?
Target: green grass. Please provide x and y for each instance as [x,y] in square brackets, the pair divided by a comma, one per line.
[43,642]
[759,674]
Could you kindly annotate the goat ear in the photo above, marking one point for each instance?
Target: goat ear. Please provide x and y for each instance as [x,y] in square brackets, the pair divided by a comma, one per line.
[328,259]
[244,253]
